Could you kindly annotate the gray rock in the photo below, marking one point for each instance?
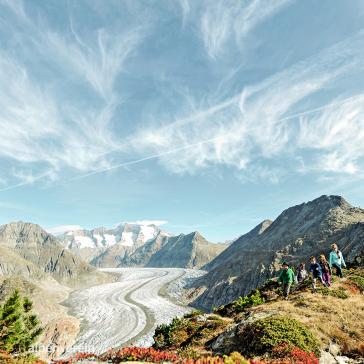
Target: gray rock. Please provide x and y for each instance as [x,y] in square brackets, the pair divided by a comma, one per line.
[334,349]
[327,358]
[227,342]
[201,318]
[343,360]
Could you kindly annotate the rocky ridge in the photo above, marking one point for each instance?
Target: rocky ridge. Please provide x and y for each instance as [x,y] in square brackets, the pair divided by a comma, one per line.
[297,233]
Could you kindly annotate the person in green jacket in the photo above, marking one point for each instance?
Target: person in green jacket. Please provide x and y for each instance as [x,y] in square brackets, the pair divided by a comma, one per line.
[286,278]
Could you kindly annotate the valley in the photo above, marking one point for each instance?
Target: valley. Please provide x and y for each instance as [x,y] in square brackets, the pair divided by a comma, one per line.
[101,289]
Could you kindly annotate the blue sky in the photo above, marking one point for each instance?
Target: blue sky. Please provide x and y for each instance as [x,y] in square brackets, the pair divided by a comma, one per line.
[210,115]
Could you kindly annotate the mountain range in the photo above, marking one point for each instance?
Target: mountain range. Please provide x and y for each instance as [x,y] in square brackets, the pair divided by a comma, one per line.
[140,245]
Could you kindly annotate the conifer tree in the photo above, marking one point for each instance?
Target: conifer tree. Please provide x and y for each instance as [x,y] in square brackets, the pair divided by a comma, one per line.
[19,327]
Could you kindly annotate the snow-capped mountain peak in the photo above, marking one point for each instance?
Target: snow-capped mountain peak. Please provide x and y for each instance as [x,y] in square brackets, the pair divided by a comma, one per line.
[128,235]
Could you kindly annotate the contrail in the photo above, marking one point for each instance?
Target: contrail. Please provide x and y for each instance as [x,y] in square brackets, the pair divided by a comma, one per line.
[154,156]
[21,184]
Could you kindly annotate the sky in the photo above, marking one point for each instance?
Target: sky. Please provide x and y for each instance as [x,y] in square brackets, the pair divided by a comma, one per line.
[200,115]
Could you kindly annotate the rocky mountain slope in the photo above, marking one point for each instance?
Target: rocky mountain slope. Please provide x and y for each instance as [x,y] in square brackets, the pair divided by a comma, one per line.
[185,251]
[297,233]
[29,245]
[36,263]
[142,255]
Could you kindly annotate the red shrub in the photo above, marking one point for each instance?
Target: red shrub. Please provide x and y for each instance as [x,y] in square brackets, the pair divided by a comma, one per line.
[302,357]
[285,354]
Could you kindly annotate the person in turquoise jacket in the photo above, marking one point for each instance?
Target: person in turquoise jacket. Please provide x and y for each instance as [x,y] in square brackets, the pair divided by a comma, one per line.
[336,260]
[286,278]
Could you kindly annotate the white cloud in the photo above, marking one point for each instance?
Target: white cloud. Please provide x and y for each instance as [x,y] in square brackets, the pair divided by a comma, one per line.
[149,222]
[61,229]
[223,21]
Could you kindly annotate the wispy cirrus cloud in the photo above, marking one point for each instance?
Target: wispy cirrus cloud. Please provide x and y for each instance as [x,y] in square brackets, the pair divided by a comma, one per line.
[224,21]
[99,63]
[41,127]
[336,137]
[34,129]
[255,125]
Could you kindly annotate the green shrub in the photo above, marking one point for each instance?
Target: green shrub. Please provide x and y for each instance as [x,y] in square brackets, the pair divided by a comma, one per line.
[358,281]
[242,303]
[337,292]
[262,336]
[176,334]
[254,298]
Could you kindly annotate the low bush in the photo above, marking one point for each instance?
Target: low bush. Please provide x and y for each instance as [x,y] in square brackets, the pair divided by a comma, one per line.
[188,332]
[241,304]
[263,335]
[287,353]
[254,299]
[358,281]
[124,354]
[174,334]
[337,292]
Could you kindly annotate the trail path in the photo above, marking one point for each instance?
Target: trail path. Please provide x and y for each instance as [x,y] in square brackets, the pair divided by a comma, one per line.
[125,312]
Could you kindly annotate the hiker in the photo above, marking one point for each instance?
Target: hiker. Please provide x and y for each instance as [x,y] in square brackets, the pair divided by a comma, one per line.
[326,270]
[301,273]
[315,269]
[286,278]
[336,260]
